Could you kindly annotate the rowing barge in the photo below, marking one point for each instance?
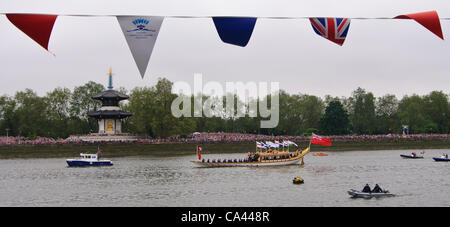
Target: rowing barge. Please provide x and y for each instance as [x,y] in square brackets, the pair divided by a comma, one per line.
[266,158]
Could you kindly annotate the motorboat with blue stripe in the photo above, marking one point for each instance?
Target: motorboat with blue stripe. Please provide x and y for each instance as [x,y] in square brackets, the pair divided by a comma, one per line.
[443,158]
[88,160]
[410,156]
[413,155]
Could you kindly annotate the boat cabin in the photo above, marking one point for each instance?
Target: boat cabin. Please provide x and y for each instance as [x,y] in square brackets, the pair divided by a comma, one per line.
[88,156]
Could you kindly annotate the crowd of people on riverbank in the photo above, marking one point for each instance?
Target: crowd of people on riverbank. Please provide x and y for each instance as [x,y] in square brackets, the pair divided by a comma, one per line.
[217,137]
[241,137]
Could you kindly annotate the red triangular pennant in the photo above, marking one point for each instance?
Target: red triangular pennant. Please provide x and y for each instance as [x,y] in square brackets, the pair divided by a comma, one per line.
[37,27]
[430,20]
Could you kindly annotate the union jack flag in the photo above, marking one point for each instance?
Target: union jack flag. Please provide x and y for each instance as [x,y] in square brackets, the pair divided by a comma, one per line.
[333,29]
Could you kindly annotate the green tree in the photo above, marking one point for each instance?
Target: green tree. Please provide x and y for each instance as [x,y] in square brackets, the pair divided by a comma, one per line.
[163,123]
[7,116]
[58,109]
[30,114]
[335,120]
[431,128]
[387,114]
[437,110]
[411,113]
[152,116]
[312,108]
[140,104]
[291,116]
[81,103]
[362,116]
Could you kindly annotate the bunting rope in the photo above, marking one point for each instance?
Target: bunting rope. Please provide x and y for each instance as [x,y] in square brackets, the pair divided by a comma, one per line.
[206,17]
[141,32]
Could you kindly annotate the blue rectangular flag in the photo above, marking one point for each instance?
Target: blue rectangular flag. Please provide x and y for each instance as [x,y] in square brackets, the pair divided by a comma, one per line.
[235,30]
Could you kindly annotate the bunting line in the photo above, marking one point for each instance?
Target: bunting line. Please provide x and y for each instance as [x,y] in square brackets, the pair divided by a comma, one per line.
[141,32]
[210,16]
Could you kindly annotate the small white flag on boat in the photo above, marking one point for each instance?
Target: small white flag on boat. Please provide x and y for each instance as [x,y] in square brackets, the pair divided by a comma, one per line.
[261,145]
[292,143]
[272,145]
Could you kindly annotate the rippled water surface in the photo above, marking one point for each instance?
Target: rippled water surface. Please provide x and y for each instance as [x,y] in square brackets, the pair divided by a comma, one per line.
[174,181]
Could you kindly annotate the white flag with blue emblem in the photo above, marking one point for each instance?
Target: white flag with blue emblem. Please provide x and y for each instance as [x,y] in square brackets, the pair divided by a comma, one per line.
[141,33]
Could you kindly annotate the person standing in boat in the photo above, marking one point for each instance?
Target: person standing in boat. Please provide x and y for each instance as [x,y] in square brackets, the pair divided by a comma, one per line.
[99,152]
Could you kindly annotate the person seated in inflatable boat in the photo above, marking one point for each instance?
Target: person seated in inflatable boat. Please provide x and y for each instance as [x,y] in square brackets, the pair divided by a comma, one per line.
[377,189]
[366,189]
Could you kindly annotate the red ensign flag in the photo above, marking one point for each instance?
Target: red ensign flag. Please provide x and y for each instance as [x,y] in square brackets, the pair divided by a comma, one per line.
[320,140]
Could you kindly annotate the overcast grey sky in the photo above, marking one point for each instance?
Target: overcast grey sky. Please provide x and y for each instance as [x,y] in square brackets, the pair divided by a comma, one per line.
[382,56]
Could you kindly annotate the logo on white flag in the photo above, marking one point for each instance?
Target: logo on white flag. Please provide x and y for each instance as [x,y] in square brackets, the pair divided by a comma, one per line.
[141,27]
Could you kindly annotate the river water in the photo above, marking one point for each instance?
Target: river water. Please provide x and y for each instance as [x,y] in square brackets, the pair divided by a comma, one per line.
[173,181]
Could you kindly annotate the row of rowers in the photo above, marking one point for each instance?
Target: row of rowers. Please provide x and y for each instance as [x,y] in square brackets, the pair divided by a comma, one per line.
[271,155]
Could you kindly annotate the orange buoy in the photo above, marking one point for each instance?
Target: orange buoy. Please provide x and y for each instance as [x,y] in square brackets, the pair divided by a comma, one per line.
[320,154]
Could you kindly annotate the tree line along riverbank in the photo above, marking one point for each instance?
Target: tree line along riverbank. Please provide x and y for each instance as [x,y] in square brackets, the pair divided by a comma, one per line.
[63,112]
[172,149]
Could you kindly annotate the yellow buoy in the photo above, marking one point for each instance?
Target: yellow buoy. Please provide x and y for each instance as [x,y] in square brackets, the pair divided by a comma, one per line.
[298,180]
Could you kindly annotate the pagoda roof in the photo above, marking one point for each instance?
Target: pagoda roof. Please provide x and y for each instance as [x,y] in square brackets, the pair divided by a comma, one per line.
[109,114]
[110,94]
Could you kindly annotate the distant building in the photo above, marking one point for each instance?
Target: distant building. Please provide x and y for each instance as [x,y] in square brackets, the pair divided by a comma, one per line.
[109,116]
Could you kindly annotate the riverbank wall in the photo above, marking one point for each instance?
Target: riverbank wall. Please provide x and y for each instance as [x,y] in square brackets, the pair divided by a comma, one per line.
[167,149]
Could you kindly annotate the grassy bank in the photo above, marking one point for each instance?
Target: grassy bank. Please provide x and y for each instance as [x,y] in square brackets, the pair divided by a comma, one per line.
[121,150]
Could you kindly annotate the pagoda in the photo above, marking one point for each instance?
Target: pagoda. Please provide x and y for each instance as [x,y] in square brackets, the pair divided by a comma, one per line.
[109,116]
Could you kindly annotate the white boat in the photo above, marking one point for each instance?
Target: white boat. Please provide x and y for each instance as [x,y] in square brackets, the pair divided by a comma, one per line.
[266,158]
[359,194]
[88,160]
